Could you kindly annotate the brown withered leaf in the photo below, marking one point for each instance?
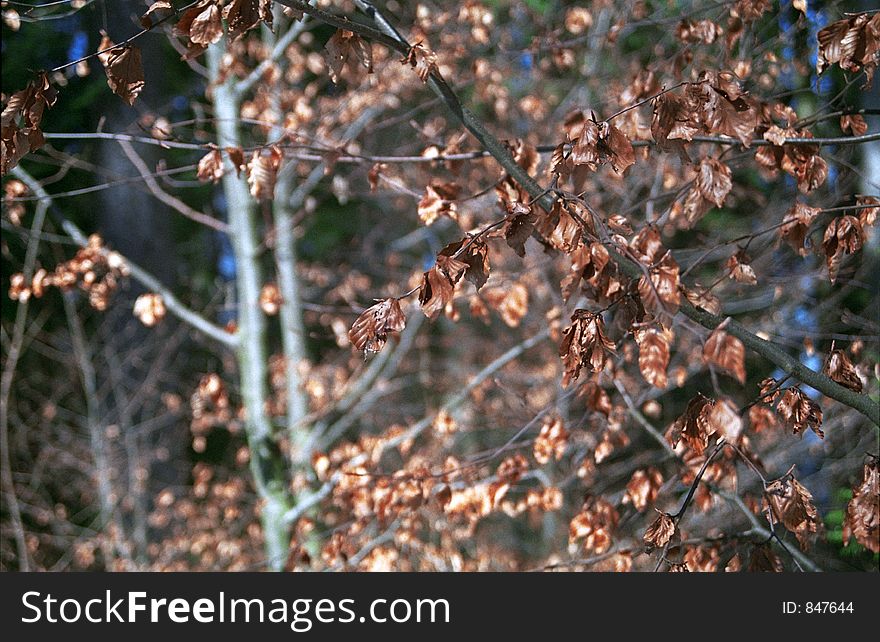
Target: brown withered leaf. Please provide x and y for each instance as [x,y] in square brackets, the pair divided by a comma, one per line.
[799,412]
[673,118]
[694,427]
[475,255]
[654,354]
[271,299]
[841,370]
[263,172]
[663,531]
[740,269]
[647,245]
[511,302]
[844,235]
[125,72]
[870,207]
[616,147]
[702,298]
[862,520]
[643,488]
[519,227]
[584,342]
[594,524]
[206,28]
[236,155]
[713,180]
[660,293]
[551,441]
[155,12]
[587,263]
[370,331]
[853,124]
[702,31]
[764,560]
[340,48]
[725,420]
[438,284]
[726,352]
[243,15]
[585,150]
[600,143]
[792,504]
[422,59]
[852,43]
[797,222]
[210,167]
[22,114]
[437,201]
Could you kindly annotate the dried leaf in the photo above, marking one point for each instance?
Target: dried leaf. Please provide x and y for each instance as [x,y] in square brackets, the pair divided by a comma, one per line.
[862,520]
[726,352]
[713,180]
[125,73]
[844,235]
[841,370]
[663,531]
[654,354]
[340,48]
[584,342]
[792,504]
[422,59]
[694,426]
[211,167]
[370,331]
[797,222]
[263,172]
[799,411]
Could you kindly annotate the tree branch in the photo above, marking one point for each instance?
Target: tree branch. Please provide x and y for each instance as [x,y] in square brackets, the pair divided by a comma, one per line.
[174,305]
[502,154]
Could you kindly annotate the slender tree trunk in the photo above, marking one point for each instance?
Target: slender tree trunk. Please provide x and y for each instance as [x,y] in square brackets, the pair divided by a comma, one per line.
[266,462]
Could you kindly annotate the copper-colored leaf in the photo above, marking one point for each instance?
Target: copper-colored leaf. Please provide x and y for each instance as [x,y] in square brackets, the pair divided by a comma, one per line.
[862,520]
[243,15]
[270,299]
[370,331]
[211,166]
[643,488]
[584,342]
[551,441]
[841,369]
[263,172]
[694,426]
[340,48]
[511,302]
[150,309]
[659,291]
[422,59]
[663,531]
[799,412]
[854,124]
[473,253]
[654,354]
[21,118]
[713,180]
[797,222]
[206,28]
[844,235]
[125,73]
[740,269]
[726,352]
[792,504]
